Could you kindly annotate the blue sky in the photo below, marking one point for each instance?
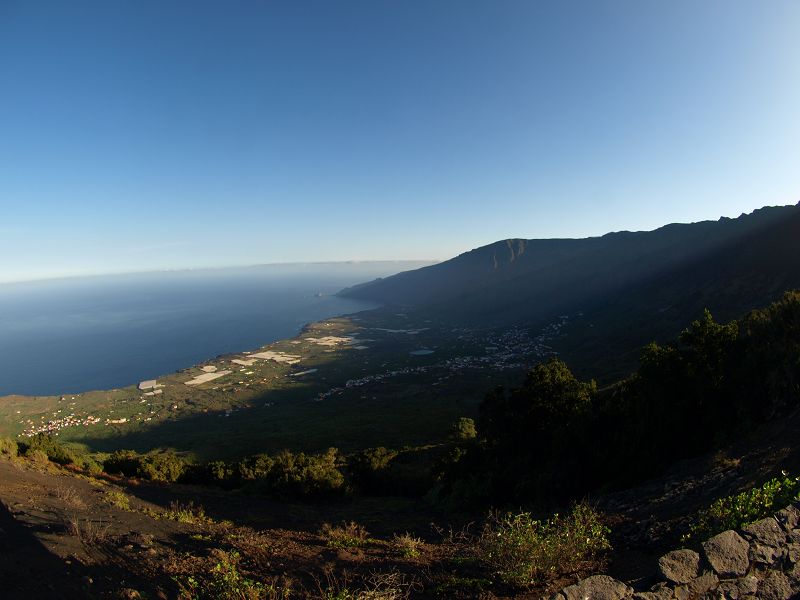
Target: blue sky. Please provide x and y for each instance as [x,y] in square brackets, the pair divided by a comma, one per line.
[149,135]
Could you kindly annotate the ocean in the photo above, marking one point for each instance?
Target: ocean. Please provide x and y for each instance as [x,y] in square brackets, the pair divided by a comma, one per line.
[78,334]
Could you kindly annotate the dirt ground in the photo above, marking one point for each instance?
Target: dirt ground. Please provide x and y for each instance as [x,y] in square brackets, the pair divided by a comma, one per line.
[66,535]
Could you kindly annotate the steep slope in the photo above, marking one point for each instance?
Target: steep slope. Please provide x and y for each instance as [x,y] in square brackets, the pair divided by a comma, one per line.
[515,281]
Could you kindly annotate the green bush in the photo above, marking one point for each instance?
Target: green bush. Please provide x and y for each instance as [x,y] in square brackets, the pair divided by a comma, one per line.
[54,451]
[253,467]
[163,466]
[305,475]
[225,581]
[89,464]
[346,535]
[521,550]
[463,430]
[38,456]
[367,469]
[122,462]
[8,448]
[739,510]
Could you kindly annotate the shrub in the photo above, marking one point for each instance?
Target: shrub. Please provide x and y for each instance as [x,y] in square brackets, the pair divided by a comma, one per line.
[89,464]
[54,451]
[375,586]
[254,467]
[122,462]
[407,545]
[346,535]
[368,469]
[305,475]
[88,531]
[463,430]
[37,456]
[521,550]
[186,513]
[118,498]
[8,448]
[165,466]
[739,510]
[69,495]
[161,466]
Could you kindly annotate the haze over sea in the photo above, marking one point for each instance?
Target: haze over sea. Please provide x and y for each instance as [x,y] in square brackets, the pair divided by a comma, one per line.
[78,334]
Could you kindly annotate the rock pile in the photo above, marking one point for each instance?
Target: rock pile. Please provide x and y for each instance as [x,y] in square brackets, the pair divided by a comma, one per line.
[762,561]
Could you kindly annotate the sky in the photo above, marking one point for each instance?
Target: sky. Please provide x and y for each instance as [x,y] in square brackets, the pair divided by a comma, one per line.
[182,134]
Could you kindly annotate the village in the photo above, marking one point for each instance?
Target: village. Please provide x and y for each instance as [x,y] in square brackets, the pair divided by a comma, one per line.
[509,349]
[502,350]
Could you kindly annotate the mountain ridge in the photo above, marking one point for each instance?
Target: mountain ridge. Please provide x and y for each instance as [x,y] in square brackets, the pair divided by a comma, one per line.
[632,287]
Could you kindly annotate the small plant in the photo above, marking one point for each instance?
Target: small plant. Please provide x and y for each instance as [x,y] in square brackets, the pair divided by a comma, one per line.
[463,430]
[521,550]
[346,535]
[186,513]
[375,586]
[739,510]
[407,545]
[118,499]
[89,532]
[69,495]
[226,582]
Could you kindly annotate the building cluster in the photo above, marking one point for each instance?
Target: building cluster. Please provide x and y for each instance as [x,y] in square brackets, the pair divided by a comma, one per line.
[510,349]
[55,425]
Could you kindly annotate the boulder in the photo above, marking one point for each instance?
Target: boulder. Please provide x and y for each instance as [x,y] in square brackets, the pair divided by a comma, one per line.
[766,532]
[793,553]
[765,555]
[598,587]
[680,566]
[739,588]
[727,553]
[775,586]
[789,517]
[697,587]
[658,592]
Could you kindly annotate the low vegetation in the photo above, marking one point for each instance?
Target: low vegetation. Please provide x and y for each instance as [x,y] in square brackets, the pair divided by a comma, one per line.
[739,510]
[555,438]
[346,535]
[8,448]
[186,513]
[226,582]
[522,551]
[407,545]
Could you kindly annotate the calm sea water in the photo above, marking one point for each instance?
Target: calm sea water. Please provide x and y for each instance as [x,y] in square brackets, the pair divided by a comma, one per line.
[72,335]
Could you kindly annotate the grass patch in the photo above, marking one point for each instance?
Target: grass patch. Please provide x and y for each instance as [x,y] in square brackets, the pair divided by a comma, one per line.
[117,499]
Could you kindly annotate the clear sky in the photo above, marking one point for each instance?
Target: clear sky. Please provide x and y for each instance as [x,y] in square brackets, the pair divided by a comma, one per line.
[164,134]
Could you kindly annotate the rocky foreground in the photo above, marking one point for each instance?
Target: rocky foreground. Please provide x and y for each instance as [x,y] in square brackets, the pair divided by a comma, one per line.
[760,561]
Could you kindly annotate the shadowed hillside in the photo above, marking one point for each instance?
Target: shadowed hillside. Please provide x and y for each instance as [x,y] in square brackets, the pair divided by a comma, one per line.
[627,287]
[515,280]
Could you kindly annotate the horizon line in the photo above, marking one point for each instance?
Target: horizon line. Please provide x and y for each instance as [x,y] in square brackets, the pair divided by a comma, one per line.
[217,268]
